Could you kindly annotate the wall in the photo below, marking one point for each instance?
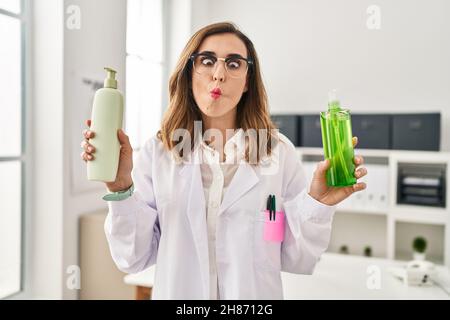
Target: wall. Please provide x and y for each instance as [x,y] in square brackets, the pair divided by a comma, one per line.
[44,220]
[308,47]
[179,29]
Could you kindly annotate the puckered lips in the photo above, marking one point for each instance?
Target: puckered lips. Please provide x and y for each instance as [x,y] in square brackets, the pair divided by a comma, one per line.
[216,93]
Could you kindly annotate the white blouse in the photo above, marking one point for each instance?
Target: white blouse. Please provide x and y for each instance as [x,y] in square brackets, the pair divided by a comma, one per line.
[216,177]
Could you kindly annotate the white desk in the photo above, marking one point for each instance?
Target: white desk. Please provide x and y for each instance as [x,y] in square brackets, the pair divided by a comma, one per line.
[339,277]
[143,281]
[345,277]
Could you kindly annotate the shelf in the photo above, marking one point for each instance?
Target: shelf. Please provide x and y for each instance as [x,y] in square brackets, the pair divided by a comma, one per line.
[408,256]
[420,156]
[363,152]
[351,230]
[362,211]
[373,217]
[438,218]
[404,155]
[413,214]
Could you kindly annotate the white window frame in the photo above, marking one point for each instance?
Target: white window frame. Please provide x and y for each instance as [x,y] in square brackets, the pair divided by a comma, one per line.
[25,156]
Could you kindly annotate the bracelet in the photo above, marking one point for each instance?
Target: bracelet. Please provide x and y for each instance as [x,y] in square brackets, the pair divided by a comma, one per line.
[120,195]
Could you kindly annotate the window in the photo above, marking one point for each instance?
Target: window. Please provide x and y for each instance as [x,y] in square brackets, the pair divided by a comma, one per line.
[144,73]
[12,144]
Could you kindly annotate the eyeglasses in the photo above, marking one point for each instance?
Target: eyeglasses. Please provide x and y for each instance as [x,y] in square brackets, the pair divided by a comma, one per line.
[236,66]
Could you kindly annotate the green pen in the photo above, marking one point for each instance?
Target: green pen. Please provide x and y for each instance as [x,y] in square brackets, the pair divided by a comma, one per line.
[274,207]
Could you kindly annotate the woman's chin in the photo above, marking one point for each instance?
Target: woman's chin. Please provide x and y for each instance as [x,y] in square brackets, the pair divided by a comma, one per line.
[213,113]
[213,110]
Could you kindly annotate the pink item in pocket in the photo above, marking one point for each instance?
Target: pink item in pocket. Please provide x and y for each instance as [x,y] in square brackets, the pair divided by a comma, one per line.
[274,230]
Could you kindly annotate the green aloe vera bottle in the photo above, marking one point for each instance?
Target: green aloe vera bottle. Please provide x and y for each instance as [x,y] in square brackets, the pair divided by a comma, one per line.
[337,143]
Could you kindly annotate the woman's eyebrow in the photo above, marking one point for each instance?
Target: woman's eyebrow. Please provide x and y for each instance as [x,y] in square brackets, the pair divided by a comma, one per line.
[208,52]
[234,55]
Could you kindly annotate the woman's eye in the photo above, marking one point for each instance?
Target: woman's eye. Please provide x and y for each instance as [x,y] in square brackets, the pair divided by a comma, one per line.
[207,61]
[234,64]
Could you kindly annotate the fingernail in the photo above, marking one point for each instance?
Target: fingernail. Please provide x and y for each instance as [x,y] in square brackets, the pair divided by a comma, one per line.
[90,149]
[89,157]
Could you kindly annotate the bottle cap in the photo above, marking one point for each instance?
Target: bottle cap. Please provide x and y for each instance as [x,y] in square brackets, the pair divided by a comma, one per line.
[110,80]
[333,102]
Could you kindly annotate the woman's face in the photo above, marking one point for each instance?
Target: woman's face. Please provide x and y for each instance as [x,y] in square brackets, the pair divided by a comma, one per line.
[211,101]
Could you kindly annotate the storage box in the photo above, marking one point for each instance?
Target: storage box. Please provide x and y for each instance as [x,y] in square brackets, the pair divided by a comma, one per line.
[373,130]
[421,131]
[311,134]
[289,125]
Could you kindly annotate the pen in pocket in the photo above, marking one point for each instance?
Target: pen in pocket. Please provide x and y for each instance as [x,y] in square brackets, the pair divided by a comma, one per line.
[271,207]
[274,207]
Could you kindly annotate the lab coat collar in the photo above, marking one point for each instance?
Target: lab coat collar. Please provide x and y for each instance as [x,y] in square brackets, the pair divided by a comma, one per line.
[245,177]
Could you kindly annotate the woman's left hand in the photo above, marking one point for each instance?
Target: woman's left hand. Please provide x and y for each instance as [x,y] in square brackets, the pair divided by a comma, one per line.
[333,195]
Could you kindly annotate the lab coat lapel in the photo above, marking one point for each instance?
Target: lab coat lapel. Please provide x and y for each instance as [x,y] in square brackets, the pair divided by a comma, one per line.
[196,214]
[244,179]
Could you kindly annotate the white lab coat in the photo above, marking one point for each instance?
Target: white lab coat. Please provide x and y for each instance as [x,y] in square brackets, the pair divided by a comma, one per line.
[164,222]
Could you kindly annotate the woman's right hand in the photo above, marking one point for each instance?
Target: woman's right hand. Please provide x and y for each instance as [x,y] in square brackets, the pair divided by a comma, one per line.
[123,179]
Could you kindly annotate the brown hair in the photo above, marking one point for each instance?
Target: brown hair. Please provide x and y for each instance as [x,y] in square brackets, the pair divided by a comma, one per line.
[252,109]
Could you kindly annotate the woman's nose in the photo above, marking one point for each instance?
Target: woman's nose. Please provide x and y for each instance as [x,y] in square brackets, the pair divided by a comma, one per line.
[219,73]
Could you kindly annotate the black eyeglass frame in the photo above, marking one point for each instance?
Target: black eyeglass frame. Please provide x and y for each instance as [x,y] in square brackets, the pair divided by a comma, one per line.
[198,54]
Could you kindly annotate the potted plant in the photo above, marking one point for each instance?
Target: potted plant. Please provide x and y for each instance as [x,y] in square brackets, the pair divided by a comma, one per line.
[343,249]
[367,251]
[419,246]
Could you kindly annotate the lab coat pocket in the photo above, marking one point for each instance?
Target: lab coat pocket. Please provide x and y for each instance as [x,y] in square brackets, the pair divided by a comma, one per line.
[267,254]
[274,229]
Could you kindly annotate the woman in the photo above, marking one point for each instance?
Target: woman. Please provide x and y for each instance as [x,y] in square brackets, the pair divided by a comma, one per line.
[197,209]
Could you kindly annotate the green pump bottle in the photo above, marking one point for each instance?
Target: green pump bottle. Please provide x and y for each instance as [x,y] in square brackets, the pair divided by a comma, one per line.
[337,143]
[107,118]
